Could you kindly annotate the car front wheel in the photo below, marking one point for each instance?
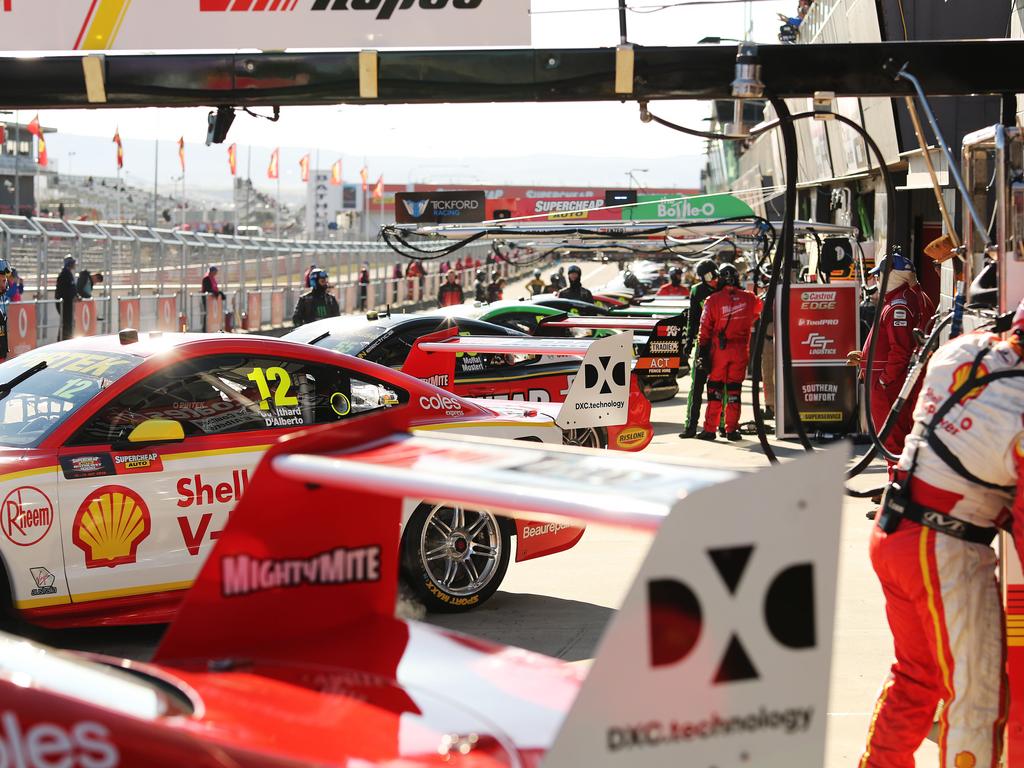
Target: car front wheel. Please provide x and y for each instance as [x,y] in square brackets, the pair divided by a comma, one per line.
[454,558]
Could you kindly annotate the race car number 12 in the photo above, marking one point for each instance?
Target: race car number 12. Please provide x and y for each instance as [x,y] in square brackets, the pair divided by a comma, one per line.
[262,377]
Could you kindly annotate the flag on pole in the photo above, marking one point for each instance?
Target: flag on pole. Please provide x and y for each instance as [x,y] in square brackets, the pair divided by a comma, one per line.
[378,190]
[233,159]
[272,169]
[364,174]
[34,127]
[304,167]
[42,158]
[336,173]
[120,148]
[3,134]
[181,153]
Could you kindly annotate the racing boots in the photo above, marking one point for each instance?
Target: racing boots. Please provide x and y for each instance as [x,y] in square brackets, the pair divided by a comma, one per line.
[733,436]
[705,435]
[688,433]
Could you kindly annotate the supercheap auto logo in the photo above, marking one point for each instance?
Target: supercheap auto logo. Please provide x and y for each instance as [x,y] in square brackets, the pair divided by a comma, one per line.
[384,8]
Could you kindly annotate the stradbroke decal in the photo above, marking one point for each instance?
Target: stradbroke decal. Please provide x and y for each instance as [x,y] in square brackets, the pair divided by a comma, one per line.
[27,516]
[111,523]
[244,574]
[88,465]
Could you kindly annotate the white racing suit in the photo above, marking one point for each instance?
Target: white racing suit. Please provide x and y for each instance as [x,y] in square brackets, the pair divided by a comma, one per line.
[942,599]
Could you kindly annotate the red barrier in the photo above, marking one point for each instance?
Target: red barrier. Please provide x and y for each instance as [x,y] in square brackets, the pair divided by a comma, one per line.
[129,312]
[21,328]
[277,309]
[253,311]
[167,314]
[214,314]
[85,318]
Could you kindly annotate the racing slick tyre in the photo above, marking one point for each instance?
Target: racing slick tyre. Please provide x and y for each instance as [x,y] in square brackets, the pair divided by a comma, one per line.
[454,558]
[588,437]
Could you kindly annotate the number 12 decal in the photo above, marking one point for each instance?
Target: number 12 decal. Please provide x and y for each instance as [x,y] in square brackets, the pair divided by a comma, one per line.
[261,377]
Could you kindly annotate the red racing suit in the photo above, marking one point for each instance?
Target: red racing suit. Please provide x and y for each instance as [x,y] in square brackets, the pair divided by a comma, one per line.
[903,310]
[673,290]
[725,326]
[941,595]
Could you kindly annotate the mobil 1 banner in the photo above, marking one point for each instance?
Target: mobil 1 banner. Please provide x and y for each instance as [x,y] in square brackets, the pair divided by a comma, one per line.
[826,397]
[440,207]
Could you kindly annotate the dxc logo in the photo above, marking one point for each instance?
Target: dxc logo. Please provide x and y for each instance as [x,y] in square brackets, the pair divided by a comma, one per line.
[416,208]
[676,618]
[606,375]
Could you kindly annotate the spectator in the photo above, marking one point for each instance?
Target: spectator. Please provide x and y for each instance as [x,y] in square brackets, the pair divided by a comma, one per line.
[458,266]
[66,294]
[85,282]
[536,285]
[480,286]
[450,292]
[575,289]
[16,287]
[414,272]
[396,277]
[661,278]
[209,288]
[496,290]
[317,303]
[364,285]
[60,210]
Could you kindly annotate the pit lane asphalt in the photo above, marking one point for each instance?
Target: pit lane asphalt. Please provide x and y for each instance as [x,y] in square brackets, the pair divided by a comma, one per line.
[559,605]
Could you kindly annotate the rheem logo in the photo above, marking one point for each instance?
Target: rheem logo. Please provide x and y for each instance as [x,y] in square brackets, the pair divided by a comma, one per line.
[676,617]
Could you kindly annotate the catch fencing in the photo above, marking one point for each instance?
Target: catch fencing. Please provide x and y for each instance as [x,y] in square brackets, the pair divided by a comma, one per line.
[152,278]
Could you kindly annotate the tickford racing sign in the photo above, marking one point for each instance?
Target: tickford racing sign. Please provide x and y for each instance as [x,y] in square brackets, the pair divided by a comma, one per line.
[60,25]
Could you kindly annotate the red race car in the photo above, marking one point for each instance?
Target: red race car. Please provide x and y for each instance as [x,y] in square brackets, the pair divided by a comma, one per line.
[121,459]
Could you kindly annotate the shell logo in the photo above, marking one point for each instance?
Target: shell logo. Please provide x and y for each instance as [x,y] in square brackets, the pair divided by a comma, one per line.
[960,378]
[631,437]
[111,523]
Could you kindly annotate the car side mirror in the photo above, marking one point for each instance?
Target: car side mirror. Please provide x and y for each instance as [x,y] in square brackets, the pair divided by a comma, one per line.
[155,431]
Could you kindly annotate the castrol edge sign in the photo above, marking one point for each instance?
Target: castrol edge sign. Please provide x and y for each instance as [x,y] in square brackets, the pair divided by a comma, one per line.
[62,25]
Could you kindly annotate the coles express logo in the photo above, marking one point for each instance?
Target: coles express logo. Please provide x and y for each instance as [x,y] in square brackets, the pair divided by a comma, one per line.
[818,300]
[85,744]
[444,403]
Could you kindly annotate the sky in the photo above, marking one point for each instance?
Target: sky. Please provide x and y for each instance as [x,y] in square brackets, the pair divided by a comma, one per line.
[447,143]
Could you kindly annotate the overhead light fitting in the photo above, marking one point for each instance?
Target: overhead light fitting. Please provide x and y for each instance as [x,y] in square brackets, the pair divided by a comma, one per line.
[218,123]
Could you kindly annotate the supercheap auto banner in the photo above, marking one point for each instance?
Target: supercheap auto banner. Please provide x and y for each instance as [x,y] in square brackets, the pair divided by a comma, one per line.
[61,25]
[824,326]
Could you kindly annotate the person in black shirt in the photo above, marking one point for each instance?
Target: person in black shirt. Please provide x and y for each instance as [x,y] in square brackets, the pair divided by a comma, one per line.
[575,289]
[317,303]
[66,294]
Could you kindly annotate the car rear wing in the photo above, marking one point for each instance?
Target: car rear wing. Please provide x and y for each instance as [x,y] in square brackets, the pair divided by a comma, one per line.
[738,585]
[659,354]
[598,395]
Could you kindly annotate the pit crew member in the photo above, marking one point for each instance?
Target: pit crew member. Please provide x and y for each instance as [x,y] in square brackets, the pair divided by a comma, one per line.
[707,277]
[575,289]
[958,478]
[674,286]
[317,303]
[724,349]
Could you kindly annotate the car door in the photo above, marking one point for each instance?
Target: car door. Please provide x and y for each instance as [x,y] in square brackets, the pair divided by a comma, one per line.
[139,519]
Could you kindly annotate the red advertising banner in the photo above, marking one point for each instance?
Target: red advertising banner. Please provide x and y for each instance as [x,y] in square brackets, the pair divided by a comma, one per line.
[85,318]
[21,328]
[167,314]
[253,310]
[824,326]
[277,309]
[129,311]
[824,322]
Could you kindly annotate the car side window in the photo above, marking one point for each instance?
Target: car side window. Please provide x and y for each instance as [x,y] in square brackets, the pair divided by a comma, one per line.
[393,352]
[239,393]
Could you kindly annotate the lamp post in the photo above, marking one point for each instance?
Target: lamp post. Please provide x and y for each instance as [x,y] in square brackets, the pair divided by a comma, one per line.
[633,179]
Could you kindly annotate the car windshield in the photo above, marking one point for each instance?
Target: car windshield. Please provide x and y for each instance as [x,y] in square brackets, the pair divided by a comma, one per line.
[36,405]
[352,341]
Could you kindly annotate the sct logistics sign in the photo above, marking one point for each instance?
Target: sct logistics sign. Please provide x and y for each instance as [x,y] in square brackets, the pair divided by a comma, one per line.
[61,25]
[824,325]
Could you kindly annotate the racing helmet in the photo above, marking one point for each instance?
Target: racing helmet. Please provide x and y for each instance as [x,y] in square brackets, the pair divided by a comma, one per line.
[316,274]
[536,273]
[900,263]
[728,275]
[574,268]
[706,270]
[675,275]
[630,280]
[70,261]
[480,274]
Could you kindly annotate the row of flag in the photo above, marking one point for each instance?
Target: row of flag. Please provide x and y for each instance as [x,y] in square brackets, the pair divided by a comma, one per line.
[273,170]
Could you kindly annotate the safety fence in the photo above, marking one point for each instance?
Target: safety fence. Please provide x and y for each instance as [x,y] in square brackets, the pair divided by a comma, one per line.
[152,278]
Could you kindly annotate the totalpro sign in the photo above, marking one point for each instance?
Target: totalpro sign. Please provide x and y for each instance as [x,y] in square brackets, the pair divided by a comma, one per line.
[57,25]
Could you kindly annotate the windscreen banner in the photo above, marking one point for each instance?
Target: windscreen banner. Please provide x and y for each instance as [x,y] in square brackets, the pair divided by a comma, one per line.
[824,326]
[97,25]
